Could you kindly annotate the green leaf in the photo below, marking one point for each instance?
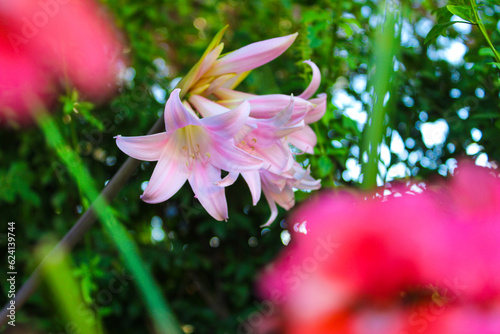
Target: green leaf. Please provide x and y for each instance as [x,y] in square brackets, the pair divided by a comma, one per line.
[462,12]
[347,28]
[496,64]
[325,166]
[485,52]
[438,30]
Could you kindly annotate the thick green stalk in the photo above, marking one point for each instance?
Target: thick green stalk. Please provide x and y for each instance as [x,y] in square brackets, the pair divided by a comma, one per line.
[385,47]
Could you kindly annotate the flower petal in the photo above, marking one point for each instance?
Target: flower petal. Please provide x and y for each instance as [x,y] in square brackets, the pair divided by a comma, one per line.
[208,61]
[282,118]
[252,55]
[189,79]
[272,206]
[228,157]
[268,106]
[285,198]
[148,148]
[253,180]
[169,175]
[212,197]
[277,158]
[318,110]
[236,80]
[229,94]
[207,107]
[315,81]
[229,123]
[304,139]
[283,132]
[244,131]
[218,82]
[177,115]
[229,180]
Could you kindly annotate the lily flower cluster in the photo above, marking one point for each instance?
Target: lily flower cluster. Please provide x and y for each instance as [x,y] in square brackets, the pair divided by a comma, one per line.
[210,127]
[423,259]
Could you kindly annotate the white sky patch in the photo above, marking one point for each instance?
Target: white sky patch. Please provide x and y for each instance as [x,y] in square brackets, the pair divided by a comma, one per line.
[353,170]
[398,146]
[285,237]
[157,234]
[174,83]
[351,107]
[463,28]
[482,160]
[434,133]
[423,26]
[463,113]
[476,134]
[451,163]
[473,149]
[451,50]
[385,155]
[397,171]
[407,36]
[358,83]
[159,93]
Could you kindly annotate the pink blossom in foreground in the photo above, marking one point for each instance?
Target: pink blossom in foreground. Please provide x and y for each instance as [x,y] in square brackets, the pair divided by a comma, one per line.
[47,42]
[195,150]
[416,261]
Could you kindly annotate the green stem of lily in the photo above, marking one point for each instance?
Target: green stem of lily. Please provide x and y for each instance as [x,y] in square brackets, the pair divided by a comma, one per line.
[482,28]
[161,315]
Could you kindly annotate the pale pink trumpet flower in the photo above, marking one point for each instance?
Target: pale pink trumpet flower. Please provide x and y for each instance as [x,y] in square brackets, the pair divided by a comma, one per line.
[241,133]
[195,150]
[213,72]
[265,139]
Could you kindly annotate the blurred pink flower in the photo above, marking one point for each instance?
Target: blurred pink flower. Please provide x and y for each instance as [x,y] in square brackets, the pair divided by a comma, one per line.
[51,41]
[415,261]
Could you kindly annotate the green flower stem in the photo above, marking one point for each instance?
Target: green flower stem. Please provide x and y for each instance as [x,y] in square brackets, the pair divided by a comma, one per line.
[385,47]
[482,28]
[162,317]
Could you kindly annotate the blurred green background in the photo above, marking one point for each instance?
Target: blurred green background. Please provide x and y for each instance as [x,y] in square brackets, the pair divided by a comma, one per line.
[444,97]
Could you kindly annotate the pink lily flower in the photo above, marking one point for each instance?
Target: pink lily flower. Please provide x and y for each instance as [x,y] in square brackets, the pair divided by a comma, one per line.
[279,189]
[267,106]
[265,139]
[212,72]
[195,150]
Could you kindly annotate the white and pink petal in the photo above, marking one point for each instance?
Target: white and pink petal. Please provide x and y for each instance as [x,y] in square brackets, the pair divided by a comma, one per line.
[147,148]
[203,181]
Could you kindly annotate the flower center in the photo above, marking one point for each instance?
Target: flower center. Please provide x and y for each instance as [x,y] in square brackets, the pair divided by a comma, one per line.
[194,144]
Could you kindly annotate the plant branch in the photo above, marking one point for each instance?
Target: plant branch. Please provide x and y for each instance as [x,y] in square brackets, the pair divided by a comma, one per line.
[482,28]
[78,230]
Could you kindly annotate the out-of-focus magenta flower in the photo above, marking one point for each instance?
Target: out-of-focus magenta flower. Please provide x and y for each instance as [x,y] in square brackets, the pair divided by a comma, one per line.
[420,260]
[48,42]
